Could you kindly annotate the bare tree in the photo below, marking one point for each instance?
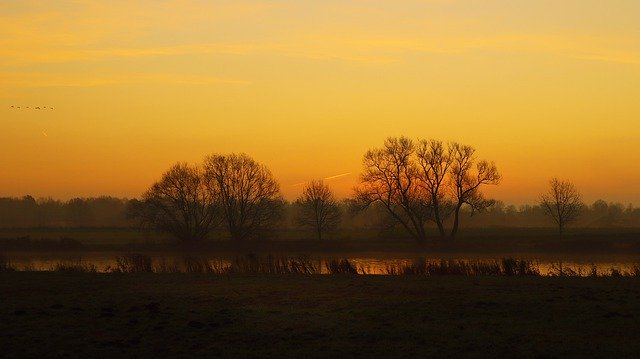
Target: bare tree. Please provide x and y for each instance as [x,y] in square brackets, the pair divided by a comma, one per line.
[434,160]
[390,177]
[466,182]
[422,183]
[178,204]
[246,191]
[561,202]
[318,208]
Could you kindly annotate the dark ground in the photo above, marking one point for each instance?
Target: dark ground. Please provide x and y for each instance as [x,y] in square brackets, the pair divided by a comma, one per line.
[122,315]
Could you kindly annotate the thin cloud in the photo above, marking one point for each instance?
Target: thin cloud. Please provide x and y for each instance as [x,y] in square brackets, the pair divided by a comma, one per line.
[619,59]
[30,79]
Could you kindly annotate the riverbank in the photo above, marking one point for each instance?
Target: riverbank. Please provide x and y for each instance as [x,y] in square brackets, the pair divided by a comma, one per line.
[88,314]
[496,242]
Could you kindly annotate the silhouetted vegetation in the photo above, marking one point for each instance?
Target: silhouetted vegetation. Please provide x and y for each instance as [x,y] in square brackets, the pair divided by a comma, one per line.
[318,209]
[5,264]
[252,264]
[132,263]
[77,212]
[424,183]
[179,204]
[342,266]
[562,203]
[78,266]
[303,265]
[503,267]
[247,193]
[19,229]
[189,202]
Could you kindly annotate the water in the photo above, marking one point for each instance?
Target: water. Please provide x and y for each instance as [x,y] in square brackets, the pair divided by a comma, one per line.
[366,263]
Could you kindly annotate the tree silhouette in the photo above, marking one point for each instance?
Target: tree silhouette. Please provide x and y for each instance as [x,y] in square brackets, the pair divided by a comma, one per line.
[424,182]
[561,202]
[435,160]
[178,204]
[466,182]
[318,208]
[390,177]
[246,191]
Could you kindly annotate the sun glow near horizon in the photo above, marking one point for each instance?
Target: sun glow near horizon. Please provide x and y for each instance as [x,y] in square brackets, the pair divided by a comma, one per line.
[542,88]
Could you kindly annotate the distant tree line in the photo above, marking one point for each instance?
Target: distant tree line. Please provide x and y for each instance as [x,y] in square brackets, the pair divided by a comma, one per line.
[77,212]
[28,212]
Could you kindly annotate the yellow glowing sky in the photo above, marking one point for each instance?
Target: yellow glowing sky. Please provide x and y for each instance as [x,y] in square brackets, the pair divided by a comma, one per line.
[544,88]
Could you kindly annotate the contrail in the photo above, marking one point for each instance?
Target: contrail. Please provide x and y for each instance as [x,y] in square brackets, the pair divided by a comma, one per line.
[337,176]
[326,179]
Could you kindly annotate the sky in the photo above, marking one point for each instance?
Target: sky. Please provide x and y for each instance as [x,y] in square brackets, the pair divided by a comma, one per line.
[542,88]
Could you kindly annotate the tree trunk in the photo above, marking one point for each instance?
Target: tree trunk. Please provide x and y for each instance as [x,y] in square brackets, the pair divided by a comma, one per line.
[436,212]
[456,219]
[561,227]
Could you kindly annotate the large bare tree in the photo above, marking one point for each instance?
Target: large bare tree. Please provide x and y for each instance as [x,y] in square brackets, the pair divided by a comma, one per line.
[318,208]
[178,204]
[248,194]
[466,181]
[434,159]
[390,177]
[561,202]
[424,182]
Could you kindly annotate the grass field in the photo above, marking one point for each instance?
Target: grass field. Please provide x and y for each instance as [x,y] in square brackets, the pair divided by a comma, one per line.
[116,315]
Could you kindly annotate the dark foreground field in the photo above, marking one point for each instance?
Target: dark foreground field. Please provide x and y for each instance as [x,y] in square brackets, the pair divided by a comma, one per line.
[115,315]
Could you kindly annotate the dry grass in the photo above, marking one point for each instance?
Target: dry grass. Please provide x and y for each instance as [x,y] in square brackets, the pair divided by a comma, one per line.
[503,267]
[78,266]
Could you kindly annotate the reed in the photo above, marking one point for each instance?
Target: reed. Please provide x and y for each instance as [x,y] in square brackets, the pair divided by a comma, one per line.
[132,263]
[77,266]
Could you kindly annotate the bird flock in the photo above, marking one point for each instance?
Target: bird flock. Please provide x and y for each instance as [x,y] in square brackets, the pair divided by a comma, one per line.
[31,107]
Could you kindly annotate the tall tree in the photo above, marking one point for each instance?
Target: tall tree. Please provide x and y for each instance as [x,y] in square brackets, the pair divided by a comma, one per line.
[178,204]
[435,160]
[561,202]
[425,182]
[246,191]
[466,181]
[318,208]
[390,177]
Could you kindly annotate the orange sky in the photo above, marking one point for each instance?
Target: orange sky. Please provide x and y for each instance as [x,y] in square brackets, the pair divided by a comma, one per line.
[543,88]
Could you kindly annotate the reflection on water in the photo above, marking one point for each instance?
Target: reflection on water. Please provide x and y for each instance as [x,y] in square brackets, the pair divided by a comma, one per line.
[549,265]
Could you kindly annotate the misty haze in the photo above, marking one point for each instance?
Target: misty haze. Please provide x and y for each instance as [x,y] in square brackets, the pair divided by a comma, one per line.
[319,179]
